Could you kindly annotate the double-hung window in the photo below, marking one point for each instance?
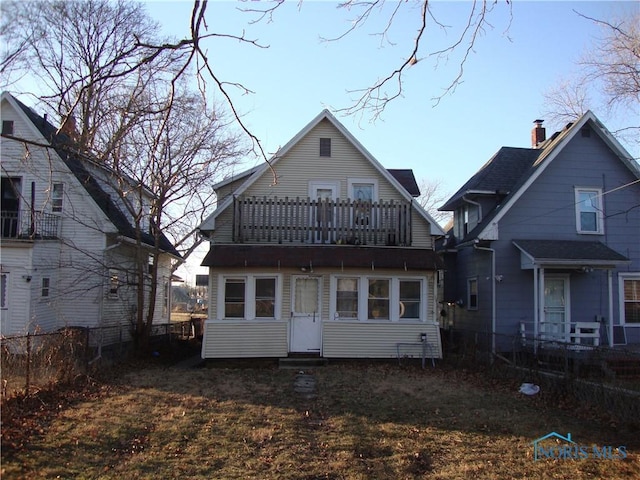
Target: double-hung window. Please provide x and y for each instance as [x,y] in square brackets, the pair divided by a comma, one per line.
[57,196]
[589,210]
[46,287]
[630,299]
[250,297]
[378,304]
[347,298]
[472,294]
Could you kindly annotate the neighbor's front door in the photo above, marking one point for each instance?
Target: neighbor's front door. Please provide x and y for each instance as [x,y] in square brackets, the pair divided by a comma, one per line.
[554,324]
[306,325]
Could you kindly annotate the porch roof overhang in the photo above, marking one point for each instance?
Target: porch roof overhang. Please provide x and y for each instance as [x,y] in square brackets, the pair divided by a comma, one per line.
[329,256]
[567,254]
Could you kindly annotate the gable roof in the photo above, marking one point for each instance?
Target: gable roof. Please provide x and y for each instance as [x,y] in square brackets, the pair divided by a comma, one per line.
[498,176]
[77,165]
[538,160]
[253,174]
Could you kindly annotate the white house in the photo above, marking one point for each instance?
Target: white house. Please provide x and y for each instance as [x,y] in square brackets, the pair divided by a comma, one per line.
[67,251]
[335,258]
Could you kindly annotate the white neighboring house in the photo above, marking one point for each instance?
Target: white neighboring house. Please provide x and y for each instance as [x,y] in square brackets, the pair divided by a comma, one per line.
[68,245]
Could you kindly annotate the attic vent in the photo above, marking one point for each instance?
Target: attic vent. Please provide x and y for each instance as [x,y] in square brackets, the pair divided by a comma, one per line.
[325,147]
[586,132]
[7,127]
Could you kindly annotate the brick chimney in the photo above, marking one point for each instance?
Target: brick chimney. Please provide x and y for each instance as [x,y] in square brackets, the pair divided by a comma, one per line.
[69,127]
[538,134]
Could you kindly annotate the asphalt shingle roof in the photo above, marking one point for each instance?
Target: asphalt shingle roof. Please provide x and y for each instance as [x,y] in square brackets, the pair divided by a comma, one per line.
[61,143]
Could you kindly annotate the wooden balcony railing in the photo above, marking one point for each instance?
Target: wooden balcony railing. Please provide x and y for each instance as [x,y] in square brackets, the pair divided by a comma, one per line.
[321,221]
[29,225]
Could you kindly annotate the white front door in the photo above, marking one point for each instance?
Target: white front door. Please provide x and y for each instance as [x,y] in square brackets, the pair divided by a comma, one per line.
[554,324]
[306,325]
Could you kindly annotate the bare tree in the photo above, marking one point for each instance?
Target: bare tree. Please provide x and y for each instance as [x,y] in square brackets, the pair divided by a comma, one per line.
[153,144]
[610,68]
[431,197]
[372,100]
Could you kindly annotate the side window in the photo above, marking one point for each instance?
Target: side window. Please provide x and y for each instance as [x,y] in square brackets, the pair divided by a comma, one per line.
[7,127]
[631,301]
[410,299]
[472,294]
[265,297]
[378,300]
[589,211]
[234,298]
[46,286]
[114,283]
[57,194]
[347,298]
[4,284]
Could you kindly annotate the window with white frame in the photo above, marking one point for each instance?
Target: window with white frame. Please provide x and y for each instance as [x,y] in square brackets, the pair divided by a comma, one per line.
[4,286]
[363,192]
[410,299]
[114,282]
[378,299]
[370,298]
[265,298]
[347,298]
[630,300]
[472,294]
[46,287]
[251,297]
[57,195]
[589,211]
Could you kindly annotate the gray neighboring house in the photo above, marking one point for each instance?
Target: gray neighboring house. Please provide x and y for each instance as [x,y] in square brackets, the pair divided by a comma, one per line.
[546,241]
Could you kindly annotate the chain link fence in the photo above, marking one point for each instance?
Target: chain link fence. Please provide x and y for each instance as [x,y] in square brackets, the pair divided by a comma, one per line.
[601,376]
[41,360]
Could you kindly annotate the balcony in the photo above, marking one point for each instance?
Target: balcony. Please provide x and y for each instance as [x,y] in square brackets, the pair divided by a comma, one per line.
[322,221]
[29,225]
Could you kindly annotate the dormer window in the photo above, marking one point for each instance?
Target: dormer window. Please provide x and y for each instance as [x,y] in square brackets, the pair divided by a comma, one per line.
[325,147]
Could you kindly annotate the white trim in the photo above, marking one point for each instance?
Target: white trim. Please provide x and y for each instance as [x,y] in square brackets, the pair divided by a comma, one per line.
[621,278]
[599,210]
[394,298]
[249,296]
[333,185]
[269,168]
[364,181]
[490,231]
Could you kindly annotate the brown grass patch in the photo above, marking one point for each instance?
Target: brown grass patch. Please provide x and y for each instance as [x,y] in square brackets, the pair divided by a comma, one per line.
[366,421]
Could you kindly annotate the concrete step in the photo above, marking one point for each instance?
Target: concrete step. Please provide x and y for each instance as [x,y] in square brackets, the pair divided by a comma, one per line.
[302,363]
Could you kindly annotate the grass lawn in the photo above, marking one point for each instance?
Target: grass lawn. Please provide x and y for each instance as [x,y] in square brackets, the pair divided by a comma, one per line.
[363,421]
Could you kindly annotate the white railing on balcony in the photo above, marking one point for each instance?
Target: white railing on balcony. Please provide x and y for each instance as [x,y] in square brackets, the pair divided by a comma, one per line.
[29,225]
[321,221]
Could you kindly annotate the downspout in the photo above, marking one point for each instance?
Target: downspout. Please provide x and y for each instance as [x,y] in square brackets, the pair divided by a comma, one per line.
[536,306]
[610,282]
[493,295]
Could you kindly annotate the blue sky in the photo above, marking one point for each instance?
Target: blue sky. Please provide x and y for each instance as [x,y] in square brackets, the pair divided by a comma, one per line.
[530,47]
[527,49]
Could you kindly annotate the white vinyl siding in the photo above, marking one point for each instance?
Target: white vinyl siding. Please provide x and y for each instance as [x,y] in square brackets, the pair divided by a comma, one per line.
[241,338]
[349,339]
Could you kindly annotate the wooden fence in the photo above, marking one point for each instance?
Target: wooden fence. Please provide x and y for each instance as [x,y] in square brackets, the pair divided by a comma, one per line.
[321,221]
